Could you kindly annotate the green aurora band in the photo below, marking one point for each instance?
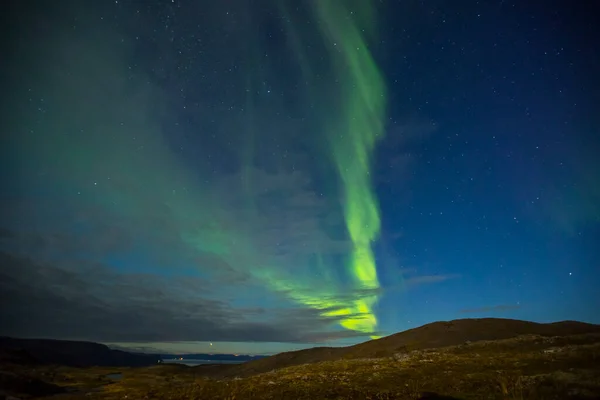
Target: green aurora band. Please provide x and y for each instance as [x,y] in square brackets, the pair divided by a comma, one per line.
[353,134]
[353,145]
[109,153]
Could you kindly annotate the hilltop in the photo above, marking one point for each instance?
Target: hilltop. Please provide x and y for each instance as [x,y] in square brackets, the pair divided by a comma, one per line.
[449,333]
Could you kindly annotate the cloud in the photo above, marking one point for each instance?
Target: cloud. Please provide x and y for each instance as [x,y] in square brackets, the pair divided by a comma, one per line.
[93,302]
[397,150]
[410,130]
[491,309]
[290,215]
[426,279]
[408,281]
[104,239]
[142,348]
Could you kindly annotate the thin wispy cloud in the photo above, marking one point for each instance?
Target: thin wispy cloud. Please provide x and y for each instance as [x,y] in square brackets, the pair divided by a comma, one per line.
[491,309]
[427,279]
[102,305]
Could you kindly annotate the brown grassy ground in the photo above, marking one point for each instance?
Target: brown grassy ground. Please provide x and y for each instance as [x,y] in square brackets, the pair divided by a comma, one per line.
[526,367]
[434,335]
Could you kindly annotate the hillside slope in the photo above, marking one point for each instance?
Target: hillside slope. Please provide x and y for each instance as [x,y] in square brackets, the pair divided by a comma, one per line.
[532,367]
[450,333]
[434,335]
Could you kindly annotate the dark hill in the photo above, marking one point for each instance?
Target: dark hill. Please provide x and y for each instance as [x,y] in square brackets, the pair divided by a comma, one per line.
[437,334]
[212,357]
[69,353]
[450,333]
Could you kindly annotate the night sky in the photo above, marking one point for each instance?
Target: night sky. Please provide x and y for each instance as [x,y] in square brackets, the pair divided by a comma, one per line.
[254,176]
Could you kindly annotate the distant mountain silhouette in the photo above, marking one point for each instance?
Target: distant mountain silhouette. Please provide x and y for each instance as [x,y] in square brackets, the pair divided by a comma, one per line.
[437,334]
[212,357]
[70,353]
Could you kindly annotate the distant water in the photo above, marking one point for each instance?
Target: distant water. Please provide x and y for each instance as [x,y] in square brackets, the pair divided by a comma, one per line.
[191,362]
[115,377]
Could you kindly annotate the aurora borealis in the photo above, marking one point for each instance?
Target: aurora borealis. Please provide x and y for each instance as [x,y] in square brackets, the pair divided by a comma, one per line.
[352,134]
[279,174]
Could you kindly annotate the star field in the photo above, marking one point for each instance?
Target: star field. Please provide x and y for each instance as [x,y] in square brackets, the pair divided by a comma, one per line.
[259,176]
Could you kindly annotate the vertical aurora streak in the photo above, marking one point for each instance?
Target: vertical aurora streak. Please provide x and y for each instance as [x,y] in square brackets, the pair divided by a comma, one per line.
[353,142]
[351,122]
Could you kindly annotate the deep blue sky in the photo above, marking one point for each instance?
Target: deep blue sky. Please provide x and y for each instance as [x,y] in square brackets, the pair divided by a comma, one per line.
[175,173]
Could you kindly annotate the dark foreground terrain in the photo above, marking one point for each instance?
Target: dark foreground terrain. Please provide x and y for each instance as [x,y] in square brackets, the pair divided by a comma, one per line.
[526,366]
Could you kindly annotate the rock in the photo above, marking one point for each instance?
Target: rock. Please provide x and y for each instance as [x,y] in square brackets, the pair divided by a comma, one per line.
[401,357]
